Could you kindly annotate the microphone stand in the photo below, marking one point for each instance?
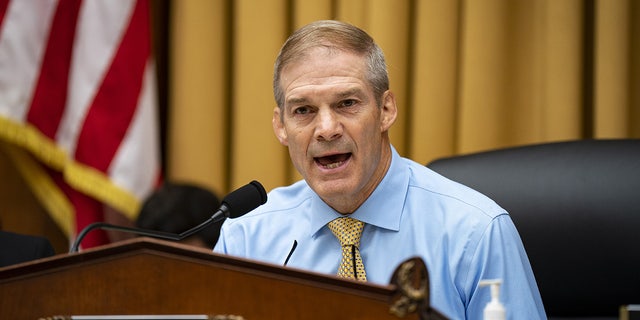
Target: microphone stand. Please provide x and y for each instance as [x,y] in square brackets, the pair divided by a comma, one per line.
[242,200]
[146,232]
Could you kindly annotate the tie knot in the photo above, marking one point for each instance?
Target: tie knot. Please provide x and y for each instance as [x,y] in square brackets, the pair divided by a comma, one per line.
[347,230]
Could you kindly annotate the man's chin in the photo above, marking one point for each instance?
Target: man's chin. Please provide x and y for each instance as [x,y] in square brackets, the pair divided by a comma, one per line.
[330,187]
[332,191]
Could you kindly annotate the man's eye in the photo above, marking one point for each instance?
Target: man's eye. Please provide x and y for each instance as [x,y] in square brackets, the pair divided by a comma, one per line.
[301,110]
[349,103]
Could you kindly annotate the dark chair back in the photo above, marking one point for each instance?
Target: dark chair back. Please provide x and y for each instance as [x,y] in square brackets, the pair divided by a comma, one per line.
[576,205]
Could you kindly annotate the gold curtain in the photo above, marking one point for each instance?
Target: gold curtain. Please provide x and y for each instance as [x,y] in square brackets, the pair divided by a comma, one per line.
[469,75]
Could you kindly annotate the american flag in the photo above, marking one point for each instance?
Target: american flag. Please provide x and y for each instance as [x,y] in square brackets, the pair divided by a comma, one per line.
[77,93]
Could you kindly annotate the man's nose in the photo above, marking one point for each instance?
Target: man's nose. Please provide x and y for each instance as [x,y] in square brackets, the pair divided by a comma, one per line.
[328,126]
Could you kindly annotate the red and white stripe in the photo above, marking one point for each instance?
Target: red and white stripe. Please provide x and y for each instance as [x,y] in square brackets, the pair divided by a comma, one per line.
[80,74]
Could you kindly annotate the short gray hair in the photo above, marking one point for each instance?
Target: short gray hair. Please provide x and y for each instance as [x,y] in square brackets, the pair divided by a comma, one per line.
[334,35]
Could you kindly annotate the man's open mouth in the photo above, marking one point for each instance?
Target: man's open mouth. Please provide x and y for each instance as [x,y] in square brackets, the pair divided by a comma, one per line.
[332,161]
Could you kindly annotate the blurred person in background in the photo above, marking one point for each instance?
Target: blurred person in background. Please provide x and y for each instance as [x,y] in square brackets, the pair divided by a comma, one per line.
[178,207]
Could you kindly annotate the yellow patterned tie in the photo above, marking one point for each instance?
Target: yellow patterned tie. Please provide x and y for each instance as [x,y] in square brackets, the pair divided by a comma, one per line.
[348,232]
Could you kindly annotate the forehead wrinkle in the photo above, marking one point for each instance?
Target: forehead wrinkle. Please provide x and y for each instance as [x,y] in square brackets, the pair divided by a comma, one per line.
[336,96]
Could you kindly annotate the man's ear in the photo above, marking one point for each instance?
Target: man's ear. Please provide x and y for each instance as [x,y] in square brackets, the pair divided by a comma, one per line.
[278,127]
[388,111]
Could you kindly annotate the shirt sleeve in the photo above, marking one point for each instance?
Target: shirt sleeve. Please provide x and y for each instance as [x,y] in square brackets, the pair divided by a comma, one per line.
[221,246]
[500,254]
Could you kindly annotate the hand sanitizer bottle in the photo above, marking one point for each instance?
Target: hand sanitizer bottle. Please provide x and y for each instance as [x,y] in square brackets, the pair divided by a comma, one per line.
[494,309]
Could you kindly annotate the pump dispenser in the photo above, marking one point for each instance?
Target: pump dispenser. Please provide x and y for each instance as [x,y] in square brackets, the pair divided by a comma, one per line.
[494,309]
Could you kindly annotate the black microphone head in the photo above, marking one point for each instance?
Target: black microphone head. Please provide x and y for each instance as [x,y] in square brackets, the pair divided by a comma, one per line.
[245,199]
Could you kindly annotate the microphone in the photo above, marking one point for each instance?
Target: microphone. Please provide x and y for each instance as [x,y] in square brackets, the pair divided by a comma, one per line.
[235,204]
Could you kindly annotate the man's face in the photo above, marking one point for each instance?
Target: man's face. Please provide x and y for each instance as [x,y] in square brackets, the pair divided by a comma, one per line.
[335,132]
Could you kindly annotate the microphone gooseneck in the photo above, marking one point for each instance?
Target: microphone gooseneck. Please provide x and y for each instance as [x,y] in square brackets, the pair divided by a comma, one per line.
[235,204]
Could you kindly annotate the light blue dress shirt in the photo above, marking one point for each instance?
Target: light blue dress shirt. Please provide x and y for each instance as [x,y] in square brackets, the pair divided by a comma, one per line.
[462,236]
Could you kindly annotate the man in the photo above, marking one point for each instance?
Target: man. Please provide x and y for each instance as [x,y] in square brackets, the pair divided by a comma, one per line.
[177,207]
[334,110]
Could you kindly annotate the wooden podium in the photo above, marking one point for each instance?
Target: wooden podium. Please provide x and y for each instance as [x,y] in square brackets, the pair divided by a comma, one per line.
[145,276]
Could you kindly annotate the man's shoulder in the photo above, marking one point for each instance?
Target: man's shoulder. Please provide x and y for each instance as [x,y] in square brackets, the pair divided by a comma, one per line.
[434,186]
[281,200]
[268,226]
[287,195]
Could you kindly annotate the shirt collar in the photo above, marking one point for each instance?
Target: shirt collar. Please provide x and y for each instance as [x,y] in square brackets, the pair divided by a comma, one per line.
[382,209]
